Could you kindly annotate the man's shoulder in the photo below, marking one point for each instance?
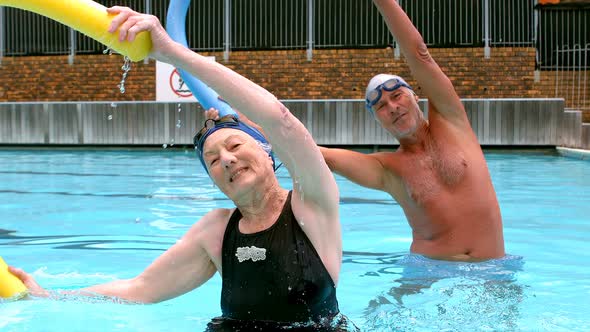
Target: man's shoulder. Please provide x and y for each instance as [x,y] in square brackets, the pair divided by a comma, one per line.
[388,158]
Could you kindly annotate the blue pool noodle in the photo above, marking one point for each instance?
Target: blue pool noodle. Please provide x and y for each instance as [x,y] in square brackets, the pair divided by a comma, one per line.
[176,28]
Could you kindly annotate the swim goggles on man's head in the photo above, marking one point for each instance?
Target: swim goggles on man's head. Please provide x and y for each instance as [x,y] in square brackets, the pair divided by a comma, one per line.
[374,95]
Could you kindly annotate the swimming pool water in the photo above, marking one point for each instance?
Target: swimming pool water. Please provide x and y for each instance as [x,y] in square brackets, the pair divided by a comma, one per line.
[74,218]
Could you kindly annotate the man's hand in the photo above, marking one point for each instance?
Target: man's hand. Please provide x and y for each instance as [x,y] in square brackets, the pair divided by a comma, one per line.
[212,113]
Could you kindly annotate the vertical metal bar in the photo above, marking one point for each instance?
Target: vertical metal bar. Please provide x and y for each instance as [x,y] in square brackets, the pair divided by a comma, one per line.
[148,10]
[566,51]
[534,41]
[578,65]
[473,26]
[585,73]
[396,49]
[227,26]
[453,25]
[579,70]
[428,30]
[354,33]
[486,38]
[72,46]
[565,45]
[310,27]
[535,24]
[1,34]
[520,13]
[556,71]
[457,14]
[509,36]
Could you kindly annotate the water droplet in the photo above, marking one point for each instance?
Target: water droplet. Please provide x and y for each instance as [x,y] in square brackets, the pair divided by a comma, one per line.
[164,145]
[289,288]
[113,105]
[178,124]
[110,117]
[179,108]
[126,68]
[137,220]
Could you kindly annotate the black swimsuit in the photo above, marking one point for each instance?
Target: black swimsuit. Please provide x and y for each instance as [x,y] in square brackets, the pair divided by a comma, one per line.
[274,275]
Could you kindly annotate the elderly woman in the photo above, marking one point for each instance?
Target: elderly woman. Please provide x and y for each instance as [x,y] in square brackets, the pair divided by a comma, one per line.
[278,251]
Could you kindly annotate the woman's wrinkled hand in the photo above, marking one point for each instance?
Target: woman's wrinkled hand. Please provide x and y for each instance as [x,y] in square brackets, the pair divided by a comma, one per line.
[130,23]
[27,279]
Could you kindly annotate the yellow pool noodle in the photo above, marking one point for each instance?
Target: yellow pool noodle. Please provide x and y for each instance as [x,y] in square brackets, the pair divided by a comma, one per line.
[89,18]
[10,286]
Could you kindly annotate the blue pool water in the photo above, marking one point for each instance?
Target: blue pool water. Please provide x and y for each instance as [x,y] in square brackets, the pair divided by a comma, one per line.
[76,218]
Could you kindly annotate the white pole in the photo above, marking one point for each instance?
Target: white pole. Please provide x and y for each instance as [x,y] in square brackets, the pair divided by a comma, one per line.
[486,22]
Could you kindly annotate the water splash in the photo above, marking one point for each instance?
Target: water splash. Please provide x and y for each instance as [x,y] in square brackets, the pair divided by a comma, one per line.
[449,296]
[125,68]
[87,297]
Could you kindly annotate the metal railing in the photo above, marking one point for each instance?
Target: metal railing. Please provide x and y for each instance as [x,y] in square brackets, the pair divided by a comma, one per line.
[216,25]
[559,30]
[571,77]
[512,23]
[294,24]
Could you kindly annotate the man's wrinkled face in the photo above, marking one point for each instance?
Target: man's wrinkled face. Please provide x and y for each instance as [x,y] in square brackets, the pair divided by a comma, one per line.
[398,112]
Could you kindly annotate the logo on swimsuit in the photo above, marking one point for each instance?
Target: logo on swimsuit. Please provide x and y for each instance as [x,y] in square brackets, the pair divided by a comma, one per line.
[253,253]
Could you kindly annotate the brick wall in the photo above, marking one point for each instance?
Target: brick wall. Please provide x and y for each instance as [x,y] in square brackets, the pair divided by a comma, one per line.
[332,74]
[90,78]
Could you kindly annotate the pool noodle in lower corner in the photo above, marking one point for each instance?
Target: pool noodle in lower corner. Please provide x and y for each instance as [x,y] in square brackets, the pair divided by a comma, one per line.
[176,28]
[11,287]
[89,18]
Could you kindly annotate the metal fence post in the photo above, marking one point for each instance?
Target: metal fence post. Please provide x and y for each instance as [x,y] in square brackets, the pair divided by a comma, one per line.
[148,10]
[535,36]
[72,46]
[310,27]
[586,48]
[227,31]
[556,70]
[486,28]
[1,34]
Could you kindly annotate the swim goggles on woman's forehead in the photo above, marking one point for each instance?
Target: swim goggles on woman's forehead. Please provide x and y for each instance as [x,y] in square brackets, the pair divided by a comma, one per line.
[373,96]
[230,120]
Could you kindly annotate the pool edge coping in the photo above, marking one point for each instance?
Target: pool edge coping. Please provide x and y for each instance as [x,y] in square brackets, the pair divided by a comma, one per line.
[573,153]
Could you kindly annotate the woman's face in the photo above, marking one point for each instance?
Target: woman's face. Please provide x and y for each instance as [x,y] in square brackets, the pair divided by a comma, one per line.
[236,162]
